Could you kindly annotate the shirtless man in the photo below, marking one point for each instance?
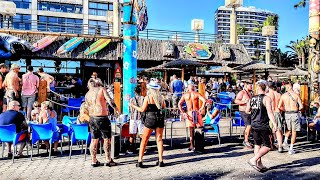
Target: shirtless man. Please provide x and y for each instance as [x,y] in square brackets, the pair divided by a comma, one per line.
[275,97]
[290,103]
[3,70]
[12,83]
[193,114]
[243,97]
[100,126]
[46,77]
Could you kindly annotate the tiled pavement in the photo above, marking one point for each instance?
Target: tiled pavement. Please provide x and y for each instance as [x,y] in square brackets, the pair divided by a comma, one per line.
[229,161]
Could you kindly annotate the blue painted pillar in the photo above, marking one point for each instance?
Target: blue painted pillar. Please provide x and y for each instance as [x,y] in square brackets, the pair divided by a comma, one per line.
[129,54]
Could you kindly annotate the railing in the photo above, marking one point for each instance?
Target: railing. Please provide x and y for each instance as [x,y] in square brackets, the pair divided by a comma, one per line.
[105,30]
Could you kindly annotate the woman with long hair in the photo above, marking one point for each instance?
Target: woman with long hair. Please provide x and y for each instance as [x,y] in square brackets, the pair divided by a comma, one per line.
[152,105]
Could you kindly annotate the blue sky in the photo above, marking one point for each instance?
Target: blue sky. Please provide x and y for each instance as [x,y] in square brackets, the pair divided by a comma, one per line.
[177,15]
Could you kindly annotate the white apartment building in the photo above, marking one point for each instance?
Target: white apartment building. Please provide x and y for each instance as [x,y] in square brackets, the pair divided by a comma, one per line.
[246,16]
[70,16]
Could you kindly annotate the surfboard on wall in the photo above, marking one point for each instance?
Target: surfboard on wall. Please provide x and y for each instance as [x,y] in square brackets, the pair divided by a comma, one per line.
[44,42]
[70,45]
[97,46]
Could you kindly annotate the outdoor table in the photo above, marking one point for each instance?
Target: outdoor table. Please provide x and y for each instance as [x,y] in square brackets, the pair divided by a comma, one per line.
[171,121]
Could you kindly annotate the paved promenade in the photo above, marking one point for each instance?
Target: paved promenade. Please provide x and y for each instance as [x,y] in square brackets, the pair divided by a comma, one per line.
[228,161]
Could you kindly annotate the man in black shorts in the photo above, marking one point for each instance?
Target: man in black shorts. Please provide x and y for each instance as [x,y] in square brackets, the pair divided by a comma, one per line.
[97,99]
[261,111]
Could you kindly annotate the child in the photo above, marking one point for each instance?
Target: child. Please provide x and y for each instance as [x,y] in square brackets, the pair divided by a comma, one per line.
[35,112]
[84,114]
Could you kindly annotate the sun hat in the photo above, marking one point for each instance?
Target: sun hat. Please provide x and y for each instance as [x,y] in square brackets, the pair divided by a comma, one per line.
[264,82]
[153,84]
[15,66]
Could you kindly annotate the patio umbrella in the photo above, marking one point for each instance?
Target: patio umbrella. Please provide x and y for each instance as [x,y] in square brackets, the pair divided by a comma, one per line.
[296,72]
[254,66]
[224,69]
[162,68]
[182,63]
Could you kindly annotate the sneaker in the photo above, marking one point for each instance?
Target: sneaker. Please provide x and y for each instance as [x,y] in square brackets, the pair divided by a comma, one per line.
[291,151]
[247,145]
[129,152]
[285,146]
[280,150]
[275,142]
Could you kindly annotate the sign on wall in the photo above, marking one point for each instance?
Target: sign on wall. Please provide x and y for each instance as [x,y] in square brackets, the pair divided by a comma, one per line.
[198,51]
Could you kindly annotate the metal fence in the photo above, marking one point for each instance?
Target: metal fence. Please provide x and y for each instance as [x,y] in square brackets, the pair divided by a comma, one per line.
[104,30]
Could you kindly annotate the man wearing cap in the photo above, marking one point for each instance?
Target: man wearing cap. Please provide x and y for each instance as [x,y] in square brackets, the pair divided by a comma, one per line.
[30,84]
[176,87]
[260,108]
[275,97]
[242,99]
[291,104]
[193,113]
[3,101]
[12,83]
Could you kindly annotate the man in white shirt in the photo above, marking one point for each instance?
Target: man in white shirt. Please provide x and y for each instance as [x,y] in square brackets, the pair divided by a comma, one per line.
[296,87]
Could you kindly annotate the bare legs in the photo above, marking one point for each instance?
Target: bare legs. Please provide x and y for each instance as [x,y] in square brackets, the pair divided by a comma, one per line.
[247,133]
[259,151]
[106,148]
[279,137]
[145,138]
[191,130]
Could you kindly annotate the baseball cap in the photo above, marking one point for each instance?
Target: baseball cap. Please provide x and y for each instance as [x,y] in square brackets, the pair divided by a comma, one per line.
[247,81]
[261,82]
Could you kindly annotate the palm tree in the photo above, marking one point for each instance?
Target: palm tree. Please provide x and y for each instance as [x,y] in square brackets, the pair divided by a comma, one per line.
[301,49]
[284,59]
[302,3]
[272,21]
[257,27]
[256,43]
[241,30]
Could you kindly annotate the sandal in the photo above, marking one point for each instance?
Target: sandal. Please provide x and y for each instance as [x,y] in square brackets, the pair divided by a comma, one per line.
[254,166]
[111,163]
[96,164]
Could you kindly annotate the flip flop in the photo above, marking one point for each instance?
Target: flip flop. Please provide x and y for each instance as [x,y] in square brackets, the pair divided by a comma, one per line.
[264,169]
[97,164]
[254,166]
[110,164]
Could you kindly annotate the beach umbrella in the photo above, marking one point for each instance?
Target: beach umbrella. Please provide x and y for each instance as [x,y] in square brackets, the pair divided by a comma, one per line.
[296,72]
[224,69]
[182,63]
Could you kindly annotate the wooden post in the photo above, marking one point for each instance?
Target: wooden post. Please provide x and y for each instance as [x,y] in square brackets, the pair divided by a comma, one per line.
[165,76]
[254,80]
[182,74]
[117,95]
[225,77]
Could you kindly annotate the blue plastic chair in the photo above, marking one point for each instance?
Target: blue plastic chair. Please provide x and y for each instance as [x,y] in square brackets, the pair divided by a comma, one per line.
[236,121]
[215,130]
[64,132]
[80,133]
[67,120]
[225,102]
[75,103]
[8,134]
[42,132]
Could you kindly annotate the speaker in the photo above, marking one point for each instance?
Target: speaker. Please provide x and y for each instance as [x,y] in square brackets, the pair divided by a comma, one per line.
[115,146]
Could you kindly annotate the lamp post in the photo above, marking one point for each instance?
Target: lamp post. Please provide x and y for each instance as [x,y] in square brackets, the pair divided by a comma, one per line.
[233,18]
[7,10]
[268,31]
[197,25]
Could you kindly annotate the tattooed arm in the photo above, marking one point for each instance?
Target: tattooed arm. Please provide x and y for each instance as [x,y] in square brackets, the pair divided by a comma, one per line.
[109,99]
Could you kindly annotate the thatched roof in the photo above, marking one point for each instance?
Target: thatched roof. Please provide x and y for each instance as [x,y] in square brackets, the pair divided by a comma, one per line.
[161,68]
[223,69]
[179,63]
[255,65]
[296,72]
[147,50]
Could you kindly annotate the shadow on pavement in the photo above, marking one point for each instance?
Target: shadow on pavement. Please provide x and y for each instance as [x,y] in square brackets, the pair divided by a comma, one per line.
[201,175]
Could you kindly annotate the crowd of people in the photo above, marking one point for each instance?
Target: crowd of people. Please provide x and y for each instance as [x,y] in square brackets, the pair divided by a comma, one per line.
[264,112]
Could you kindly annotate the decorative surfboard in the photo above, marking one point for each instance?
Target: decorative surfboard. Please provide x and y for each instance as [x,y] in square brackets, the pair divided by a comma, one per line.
[44,42]
[97,46]
[70,45]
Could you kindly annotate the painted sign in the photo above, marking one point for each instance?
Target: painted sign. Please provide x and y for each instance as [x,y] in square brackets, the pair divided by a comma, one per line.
[198,51]
[7,8]
[117,71]
[168,49]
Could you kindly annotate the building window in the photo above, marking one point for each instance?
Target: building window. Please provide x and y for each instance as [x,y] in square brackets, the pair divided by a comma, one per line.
[58,7]
[22,21]
[99,27]
[99,9]
[23,4]
[56,24]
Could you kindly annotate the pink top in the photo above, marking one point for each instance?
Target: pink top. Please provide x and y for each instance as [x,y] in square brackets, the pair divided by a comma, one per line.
[30,84]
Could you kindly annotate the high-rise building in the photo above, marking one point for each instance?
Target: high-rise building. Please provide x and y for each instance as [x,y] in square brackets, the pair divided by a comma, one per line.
[70,16]
[246,16]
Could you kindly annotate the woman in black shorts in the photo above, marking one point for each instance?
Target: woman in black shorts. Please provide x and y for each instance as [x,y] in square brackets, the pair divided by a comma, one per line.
[152,105]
